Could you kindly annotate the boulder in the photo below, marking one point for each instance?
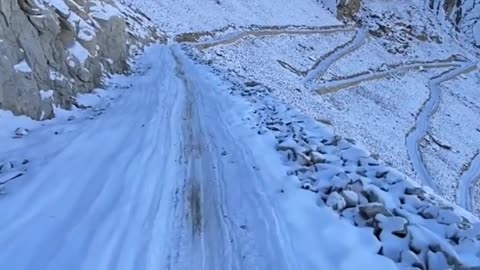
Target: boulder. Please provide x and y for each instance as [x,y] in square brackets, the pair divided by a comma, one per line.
[351,198]
[430,212]
[303,159]
[409,258]
[371,210]
[393,224]
[448,217]
[436,260]
[336,201]
[317,157]
[20,132]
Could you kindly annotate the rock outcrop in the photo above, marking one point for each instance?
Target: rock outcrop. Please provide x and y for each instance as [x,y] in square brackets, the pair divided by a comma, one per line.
[343,9]
[52,50]
[348,8]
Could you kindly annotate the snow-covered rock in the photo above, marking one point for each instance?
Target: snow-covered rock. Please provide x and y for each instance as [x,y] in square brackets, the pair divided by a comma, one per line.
[371,210]
[447,217]
[336,201]
[409,258]
[436,260]
[343,9]
[392,224]
[476,33]
[317,157]
[20,132]
[351,198]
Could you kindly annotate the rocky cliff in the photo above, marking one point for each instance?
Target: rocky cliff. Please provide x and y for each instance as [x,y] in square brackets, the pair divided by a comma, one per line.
[463,16]
[458,17]
[53,49]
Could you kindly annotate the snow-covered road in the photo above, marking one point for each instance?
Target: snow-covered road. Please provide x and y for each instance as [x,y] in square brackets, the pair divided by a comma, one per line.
[171,177]
[221,219]
[159,182]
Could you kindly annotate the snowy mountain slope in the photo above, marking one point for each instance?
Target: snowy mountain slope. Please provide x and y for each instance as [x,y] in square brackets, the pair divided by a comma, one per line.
[459,17]
[393,73]
[232,160]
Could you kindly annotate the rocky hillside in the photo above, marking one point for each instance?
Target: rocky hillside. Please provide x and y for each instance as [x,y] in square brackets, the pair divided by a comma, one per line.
[463,16]
[343,8]
[53,49]
[458,17]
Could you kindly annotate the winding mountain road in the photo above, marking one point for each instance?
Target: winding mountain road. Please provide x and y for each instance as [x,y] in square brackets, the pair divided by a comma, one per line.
[337,85]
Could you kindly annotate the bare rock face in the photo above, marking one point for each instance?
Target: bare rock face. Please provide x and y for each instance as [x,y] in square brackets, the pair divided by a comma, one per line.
[66,46]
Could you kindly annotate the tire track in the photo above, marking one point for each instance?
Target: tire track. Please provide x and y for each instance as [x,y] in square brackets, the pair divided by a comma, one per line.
[231,223]
[469,178]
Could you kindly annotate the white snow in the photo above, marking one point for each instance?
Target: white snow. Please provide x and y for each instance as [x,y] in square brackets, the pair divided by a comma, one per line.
[93,98]
[46,94]
[60,5]
[86,34]
[23,67]
[79,52]
[9,123]
[56,76]
[324,241]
